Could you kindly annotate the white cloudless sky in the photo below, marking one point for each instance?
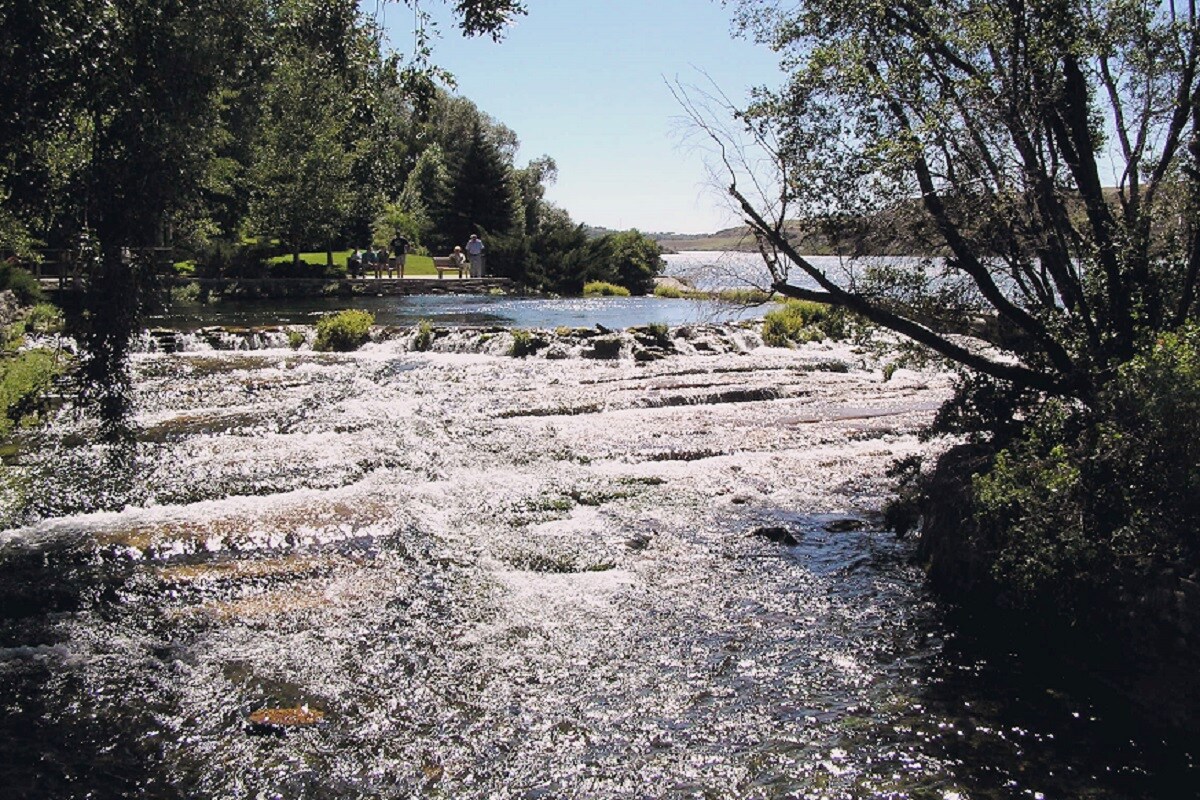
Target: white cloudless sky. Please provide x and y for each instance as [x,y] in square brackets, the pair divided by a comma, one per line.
[586,82]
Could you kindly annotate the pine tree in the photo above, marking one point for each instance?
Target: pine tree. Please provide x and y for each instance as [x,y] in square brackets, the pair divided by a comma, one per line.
[482,199]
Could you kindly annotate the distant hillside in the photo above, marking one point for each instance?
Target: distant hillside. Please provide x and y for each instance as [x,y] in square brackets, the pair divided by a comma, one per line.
[904,229]
[730,239]
[726,240]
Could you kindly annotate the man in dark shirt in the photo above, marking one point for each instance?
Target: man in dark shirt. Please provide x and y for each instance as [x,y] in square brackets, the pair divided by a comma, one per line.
[399,250]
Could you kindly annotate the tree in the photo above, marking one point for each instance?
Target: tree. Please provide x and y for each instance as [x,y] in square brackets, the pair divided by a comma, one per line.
[482,195]
[125,117]
[302,167]
[1049,152]
[998,120]
[531,187]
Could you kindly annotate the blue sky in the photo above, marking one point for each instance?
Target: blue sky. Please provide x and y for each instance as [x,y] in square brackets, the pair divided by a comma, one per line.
[585,82]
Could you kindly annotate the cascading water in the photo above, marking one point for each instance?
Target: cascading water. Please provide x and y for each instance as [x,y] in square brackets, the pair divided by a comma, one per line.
[400,574]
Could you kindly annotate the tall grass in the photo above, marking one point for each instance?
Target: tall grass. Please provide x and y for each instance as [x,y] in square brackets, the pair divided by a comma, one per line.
[604,289]
[799,321]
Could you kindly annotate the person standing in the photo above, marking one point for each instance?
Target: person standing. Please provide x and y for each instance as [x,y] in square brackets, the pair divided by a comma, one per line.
[399,253]
[475,253]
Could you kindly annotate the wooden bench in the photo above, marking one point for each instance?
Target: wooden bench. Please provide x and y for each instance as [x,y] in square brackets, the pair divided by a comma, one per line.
[444,264]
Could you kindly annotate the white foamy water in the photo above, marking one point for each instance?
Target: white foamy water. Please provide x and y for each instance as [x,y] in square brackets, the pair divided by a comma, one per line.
[494,578]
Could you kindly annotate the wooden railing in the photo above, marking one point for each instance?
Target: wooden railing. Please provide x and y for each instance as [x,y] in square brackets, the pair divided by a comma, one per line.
[67,265]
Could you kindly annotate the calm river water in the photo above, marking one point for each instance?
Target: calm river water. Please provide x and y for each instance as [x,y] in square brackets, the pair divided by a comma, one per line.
[483,577]
[708,270]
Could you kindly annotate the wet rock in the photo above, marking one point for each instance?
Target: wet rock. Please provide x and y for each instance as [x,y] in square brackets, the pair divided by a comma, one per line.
[607,347]
[639,541]
[845,525]
[776,533]
[645,354]
[277,721]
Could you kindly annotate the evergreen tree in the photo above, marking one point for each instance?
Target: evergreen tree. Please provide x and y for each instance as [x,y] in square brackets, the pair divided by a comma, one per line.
[482,198]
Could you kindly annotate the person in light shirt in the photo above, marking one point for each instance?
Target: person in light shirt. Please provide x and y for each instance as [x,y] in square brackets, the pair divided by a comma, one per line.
[475,253]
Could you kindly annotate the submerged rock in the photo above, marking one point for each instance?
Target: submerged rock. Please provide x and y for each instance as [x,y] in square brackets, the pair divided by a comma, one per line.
[278,720]
[776,533]
[845,525]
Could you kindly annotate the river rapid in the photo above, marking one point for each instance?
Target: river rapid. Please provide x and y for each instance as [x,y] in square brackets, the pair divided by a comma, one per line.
[393,574]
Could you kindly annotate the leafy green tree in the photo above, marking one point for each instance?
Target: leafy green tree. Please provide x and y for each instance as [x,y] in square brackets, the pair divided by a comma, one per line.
[1000,120]
[426,195]
[1050,152]
[531,183]
[635,259]
[302,167]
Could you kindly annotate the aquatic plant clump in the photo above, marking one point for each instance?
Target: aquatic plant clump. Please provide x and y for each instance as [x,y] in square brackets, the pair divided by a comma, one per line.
[799,321]
[423,338]
[344,331]
[526,343]
[604,289]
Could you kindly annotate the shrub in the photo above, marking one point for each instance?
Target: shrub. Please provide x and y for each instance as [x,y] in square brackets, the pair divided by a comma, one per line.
[295,339]
[424,336]
[1091,505]
[525,343]
[25,379]
[799,321]
[604,289]
[187,294]
[44,318]
[343,331]
[654,333]
[22,283]
[659,331]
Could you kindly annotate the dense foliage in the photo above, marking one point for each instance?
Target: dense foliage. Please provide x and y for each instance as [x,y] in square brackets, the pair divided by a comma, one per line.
[28,375]
[1092,504]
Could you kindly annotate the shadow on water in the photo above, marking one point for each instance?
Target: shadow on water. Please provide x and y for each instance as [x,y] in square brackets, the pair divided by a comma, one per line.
[60,738]
[1001,718]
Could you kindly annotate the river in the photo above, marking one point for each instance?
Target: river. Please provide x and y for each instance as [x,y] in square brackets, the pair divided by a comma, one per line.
[706,270]
[475,576]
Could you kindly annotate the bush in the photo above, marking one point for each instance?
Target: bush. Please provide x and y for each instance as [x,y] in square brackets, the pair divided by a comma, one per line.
[790,324]
[343,331]
[1092,505]
[295,339]
[799,321]
[231,260]
[525,343]
[25,379]
[22,283]
[44,318]
[604,289]
[187,294]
